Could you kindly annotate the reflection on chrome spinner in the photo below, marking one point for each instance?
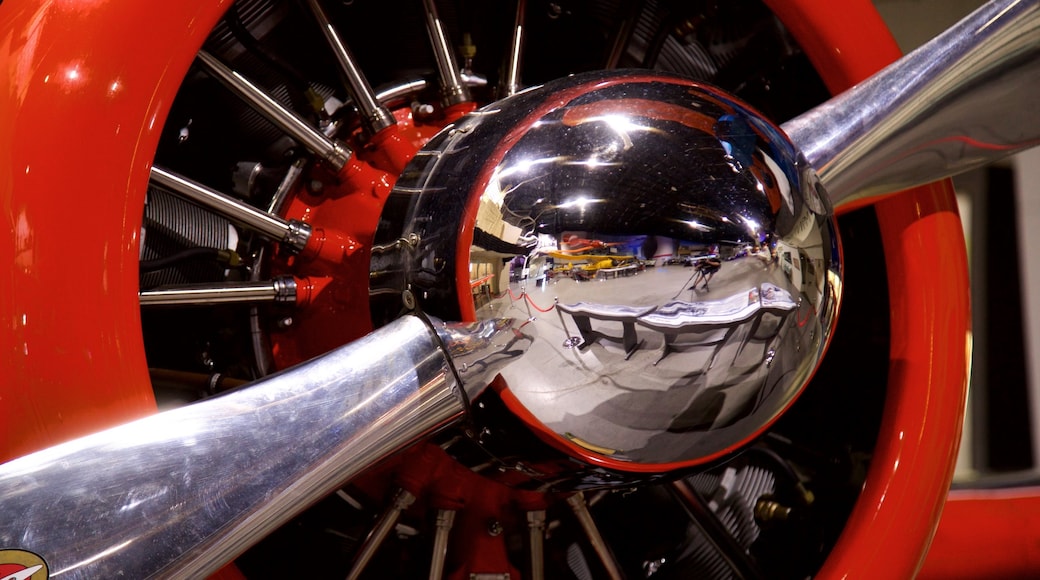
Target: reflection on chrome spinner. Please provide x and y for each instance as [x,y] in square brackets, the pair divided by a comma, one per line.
[687,249]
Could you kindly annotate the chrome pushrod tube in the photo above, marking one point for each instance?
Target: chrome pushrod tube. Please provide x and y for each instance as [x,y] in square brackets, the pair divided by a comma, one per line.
[281,290]
[453,86]
[593,535]
[335,153]
[180,493]
[511,71]
[966,98]
[291,232]
[374,116]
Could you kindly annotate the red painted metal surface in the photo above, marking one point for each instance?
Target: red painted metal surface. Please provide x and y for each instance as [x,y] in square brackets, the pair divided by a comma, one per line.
[894,519]
[846,41]
[349,203]
[82,109]
[350,207]
[896,514]
[987,534]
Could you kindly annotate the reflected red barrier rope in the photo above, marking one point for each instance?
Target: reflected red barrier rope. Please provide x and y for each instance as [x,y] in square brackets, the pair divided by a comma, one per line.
[536,307]
[526,296]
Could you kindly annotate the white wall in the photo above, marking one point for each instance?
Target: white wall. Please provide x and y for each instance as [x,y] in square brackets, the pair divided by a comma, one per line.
[914,22]
[1027,191]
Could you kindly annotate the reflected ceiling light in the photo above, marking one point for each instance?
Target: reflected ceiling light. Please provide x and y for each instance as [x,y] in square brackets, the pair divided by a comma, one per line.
[699,226]
[579,202]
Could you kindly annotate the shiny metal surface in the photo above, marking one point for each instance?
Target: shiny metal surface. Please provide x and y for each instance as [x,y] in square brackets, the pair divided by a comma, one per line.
[374,116]
[740,564]
[294,233]
[445,520]
[481,350]
[685,246]
[335,153]
[297,234]
[182,492]
[414,86]
[453,87]
[593,535]
[281,290]
[277,203]
[964,99]
[511,71]
[536,543]
[386,522]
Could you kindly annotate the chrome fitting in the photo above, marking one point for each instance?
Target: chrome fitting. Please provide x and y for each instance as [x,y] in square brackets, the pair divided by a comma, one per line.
[297,234]
[284,290]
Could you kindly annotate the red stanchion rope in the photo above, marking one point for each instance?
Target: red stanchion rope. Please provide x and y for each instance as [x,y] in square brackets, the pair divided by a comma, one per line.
[536,307]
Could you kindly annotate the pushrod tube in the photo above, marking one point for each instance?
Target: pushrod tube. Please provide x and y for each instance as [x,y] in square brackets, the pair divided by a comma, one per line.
[964,99]
[375,116]
[291,232]
[453,86]
[511,71]
[182,492]
[593,535]
[335,153]
[280,290]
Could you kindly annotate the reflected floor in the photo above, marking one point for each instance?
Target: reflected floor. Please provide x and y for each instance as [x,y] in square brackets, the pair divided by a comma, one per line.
[657,404]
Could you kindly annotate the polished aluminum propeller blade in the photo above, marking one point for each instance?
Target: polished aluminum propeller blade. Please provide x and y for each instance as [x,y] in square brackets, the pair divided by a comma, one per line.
[964,99]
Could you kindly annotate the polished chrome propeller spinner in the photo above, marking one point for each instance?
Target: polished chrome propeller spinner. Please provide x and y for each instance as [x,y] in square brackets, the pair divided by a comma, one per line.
[656,266]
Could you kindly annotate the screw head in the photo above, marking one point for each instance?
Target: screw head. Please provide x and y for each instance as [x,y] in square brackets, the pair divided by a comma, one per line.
[408,299]
[494,527]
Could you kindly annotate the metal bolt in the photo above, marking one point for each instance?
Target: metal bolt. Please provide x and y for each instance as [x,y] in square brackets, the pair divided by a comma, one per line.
[408,299]
[184,133]
[420,110]
[494,527]
[767,510]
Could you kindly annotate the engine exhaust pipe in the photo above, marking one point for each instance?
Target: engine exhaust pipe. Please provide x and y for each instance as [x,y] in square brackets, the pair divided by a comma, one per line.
[180,493]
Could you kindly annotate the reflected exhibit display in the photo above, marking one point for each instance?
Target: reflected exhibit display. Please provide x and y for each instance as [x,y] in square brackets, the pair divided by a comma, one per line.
[650,266]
